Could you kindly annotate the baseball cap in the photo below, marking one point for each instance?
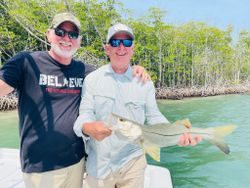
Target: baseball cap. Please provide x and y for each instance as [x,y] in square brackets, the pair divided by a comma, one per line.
[119,28]
[63,17]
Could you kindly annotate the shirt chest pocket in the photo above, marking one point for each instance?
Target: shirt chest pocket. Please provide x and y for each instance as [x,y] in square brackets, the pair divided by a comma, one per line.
[103,104]
[136,109]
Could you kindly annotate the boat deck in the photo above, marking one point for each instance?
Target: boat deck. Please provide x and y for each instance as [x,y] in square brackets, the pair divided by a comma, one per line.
[11,175]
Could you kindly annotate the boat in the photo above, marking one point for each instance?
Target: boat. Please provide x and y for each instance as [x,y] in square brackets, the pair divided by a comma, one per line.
[11,175]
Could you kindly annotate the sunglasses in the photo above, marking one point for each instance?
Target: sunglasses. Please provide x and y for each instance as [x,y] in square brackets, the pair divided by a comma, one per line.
[117,42]
[71,34]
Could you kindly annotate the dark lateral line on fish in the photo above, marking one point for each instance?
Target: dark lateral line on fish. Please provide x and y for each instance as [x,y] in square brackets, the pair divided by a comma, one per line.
[175,134]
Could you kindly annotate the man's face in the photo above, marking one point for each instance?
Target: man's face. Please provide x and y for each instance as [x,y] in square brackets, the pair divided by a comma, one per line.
[120,56]
[64,46]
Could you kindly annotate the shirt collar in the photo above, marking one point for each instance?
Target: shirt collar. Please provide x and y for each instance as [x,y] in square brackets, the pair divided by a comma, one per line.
[127,74]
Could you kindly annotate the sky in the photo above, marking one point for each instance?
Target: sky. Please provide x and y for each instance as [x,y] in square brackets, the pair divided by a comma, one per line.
[218,13]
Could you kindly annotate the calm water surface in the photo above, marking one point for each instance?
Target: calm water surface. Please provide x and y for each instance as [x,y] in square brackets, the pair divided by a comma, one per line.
[9,129]
[204,165]
[194,167]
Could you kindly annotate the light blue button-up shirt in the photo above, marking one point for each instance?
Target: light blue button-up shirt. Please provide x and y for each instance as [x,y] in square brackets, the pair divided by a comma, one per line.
[105,92]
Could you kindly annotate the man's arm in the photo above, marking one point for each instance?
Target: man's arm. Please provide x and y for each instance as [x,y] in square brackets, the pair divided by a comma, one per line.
[5,88]
[153,114]
[86,124]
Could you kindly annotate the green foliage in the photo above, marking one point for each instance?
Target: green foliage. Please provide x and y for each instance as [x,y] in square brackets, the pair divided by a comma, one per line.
[191,54]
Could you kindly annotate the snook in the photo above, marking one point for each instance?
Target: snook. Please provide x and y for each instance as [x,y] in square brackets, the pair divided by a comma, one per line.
[154,137]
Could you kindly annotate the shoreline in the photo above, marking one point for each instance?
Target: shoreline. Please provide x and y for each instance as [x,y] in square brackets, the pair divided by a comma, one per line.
[180,93]
[10,102]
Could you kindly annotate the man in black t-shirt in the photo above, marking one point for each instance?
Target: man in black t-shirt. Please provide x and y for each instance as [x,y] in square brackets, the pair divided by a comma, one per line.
[49,93]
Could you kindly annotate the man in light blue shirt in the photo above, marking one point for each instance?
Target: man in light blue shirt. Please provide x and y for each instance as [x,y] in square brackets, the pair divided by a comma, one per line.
[112,89]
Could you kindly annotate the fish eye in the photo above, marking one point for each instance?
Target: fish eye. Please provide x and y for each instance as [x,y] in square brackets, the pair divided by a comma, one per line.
[121,119]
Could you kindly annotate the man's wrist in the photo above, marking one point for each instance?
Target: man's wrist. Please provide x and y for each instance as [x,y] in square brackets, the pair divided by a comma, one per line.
[83,131]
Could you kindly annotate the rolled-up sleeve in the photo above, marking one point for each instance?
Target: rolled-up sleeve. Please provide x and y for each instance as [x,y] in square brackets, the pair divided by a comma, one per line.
[153,115]
[86,110]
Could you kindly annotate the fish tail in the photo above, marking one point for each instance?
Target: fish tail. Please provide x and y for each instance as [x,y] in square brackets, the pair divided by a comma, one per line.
[219,133]
[220,144]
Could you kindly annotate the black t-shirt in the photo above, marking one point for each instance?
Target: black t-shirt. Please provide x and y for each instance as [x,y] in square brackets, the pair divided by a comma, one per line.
[49,98]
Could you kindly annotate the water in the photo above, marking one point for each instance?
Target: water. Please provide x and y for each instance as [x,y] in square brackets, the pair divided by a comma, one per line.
[204,165]
[9,130]
[194,167]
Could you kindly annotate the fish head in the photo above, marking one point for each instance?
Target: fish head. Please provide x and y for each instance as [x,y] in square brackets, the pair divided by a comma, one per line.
[123,127]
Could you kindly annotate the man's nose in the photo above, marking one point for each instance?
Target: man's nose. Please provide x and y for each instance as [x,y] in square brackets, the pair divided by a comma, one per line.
[66,37]
[121,46]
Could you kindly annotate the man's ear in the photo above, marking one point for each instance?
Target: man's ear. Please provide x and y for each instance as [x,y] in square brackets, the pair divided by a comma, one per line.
[133,49]
[107,49]
[80,41]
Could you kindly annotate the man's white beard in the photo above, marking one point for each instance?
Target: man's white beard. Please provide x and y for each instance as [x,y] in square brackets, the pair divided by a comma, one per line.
[63,53]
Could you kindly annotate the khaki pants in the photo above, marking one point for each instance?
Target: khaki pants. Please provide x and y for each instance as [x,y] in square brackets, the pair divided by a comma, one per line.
[69,177]
[130,176]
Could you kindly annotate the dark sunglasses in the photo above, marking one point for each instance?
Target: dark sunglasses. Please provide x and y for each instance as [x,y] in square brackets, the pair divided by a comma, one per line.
[117,42]
[61,33]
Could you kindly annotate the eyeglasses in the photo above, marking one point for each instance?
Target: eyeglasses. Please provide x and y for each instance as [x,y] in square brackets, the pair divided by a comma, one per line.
[71,34]
[117,42]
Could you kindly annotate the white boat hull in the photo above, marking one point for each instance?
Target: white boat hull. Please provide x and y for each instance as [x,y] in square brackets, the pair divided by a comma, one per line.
[11,175]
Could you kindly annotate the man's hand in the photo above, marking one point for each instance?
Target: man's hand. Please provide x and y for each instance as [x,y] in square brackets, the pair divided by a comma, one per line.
[187,139]
[141,72]
[96,130]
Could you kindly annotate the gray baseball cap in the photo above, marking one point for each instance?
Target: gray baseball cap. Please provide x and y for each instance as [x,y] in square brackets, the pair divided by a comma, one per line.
[64,17]
[119,28]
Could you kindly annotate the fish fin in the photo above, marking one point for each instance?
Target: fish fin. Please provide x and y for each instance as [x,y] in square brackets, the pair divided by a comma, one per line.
[184,122]
[154,151]
[219,133]
[221,145]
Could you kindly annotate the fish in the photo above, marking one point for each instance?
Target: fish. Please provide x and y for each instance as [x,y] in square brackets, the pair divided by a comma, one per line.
[154,137]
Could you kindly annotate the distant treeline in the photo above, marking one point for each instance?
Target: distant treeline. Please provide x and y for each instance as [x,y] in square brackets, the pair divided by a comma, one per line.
[10,102]
[180,93]
[191,55]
